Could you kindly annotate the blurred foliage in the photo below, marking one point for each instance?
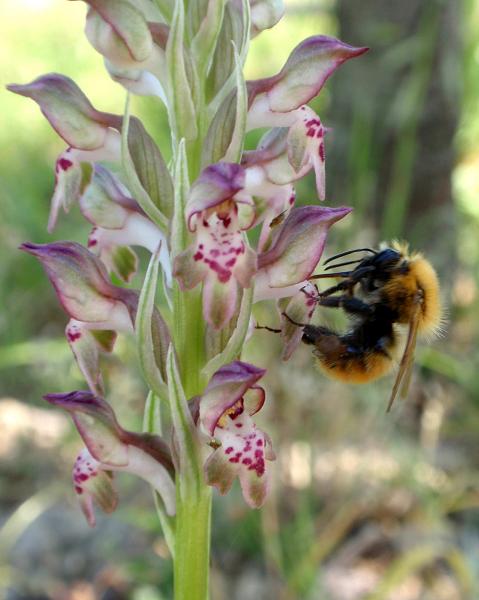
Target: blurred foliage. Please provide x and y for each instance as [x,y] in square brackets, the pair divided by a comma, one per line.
[365,505]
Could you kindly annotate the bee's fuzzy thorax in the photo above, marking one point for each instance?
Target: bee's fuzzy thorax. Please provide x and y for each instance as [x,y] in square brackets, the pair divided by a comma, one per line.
[431,317]
[420,275]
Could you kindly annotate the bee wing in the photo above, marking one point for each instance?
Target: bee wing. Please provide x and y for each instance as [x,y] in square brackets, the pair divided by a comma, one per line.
[405,366]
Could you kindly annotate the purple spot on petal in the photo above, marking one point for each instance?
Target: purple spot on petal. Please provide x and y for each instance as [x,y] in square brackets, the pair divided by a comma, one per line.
[259,443]
[197,256]
[226,221]
[321,152]
[64,164]
[223,274]
[73,335]
[229,450]
[78,490]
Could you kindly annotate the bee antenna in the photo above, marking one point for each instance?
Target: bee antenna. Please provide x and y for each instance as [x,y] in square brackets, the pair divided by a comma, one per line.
[268,328]
[331,258]
[343,264]
[293,322]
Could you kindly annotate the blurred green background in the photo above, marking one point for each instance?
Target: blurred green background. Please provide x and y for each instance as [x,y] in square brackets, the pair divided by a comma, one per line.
[364,505]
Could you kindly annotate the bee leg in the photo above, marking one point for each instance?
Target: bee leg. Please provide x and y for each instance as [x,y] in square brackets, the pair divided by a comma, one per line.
[314,334]
[349,283]
[350,304]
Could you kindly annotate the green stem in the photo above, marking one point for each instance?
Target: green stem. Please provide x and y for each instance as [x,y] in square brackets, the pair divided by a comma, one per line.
[192,548]
[189,337]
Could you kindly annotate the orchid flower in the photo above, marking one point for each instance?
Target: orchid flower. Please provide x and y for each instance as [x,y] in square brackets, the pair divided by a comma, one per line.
[265,14]
[295,250]
[241,449]
[133,47]
[280,101]
[119,222]
[273,100]
[98,309]
[286,155]
[109,447]
[91,135]
[219,256]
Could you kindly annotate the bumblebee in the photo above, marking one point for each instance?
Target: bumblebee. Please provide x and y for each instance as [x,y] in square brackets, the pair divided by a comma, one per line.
[390,291]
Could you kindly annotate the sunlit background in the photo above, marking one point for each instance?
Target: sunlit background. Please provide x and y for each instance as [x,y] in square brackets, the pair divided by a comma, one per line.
[364,505]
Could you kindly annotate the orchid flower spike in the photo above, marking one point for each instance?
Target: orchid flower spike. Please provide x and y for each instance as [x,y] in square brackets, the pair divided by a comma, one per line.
[109,448]
[241,449]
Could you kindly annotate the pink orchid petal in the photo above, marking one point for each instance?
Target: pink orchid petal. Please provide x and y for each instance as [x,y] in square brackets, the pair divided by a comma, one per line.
[298,244]
[254,399]
[299,309]
[305,72]
[219,301]
[263,290]
[93,485]
[97,425]
[68,110]
[216,183]
[86,352]
[81,282]
[118,27]
[68,181]
[225,388]
[188,270]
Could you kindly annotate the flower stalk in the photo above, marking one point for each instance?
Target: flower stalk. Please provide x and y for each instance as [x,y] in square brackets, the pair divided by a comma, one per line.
[194,217]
